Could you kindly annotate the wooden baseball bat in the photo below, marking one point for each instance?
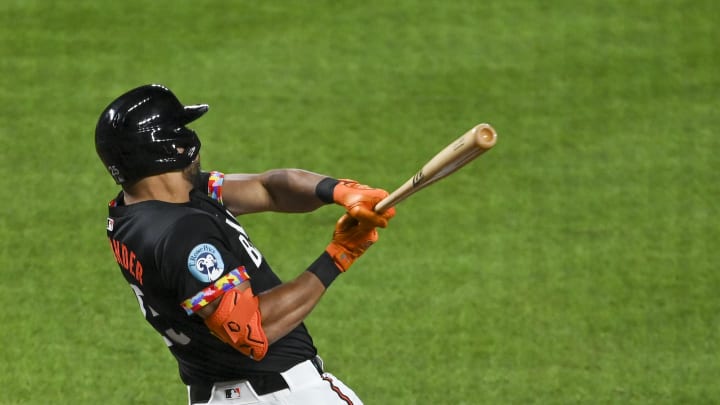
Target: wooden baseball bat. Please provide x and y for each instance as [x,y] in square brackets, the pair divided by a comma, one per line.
[460,152]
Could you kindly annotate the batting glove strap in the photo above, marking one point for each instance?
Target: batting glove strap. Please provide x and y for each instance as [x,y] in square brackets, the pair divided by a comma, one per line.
[325,188]
[325,269]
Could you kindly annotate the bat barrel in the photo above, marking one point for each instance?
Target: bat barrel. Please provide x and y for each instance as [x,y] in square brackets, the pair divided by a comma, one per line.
[464,149]
[485,136]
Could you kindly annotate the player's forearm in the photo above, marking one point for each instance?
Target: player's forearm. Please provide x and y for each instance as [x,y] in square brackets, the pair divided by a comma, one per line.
[280,190]
[293,190]
[284,307]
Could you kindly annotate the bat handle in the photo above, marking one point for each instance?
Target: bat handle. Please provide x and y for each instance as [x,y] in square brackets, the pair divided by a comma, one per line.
[385,204]
[394,198]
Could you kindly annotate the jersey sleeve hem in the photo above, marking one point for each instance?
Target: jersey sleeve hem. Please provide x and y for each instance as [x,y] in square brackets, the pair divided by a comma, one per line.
[215,186]
[215,290]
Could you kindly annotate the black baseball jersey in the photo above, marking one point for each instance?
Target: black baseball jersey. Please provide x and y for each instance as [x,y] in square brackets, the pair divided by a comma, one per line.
[169,253]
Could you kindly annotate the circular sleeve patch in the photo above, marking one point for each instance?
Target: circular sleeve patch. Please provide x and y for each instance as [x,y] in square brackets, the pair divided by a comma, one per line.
[205,263]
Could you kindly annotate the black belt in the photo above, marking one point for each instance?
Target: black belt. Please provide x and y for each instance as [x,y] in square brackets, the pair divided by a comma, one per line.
[262,385]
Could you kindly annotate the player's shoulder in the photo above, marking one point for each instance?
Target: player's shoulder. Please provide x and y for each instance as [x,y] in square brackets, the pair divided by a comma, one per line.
[193,219]
[189,226]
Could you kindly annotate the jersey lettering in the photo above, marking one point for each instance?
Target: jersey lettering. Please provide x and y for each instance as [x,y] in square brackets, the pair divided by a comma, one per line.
[127,260]
[171,336]
[245,241]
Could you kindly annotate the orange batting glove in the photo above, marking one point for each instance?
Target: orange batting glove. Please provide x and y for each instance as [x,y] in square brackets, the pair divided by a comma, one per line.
[352,238]
[359,201]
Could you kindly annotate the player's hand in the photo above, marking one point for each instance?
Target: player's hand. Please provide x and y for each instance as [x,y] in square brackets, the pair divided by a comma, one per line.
[359,201]
[352,238]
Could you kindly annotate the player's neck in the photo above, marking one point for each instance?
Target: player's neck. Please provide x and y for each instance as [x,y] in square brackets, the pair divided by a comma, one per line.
[168,187]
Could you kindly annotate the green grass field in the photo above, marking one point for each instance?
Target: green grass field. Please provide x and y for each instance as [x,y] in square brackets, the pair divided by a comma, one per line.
[575,263]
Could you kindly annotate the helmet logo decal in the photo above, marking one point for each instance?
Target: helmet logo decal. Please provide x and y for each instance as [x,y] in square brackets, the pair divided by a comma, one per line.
[205,263]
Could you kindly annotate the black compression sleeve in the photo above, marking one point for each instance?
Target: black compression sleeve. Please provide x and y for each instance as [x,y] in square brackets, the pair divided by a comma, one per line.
[324,189]
[325,269]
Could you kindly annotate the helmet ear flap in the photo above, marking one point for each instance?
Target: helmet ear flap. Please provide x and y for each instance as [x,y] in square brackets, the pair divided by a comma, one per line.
[189,142]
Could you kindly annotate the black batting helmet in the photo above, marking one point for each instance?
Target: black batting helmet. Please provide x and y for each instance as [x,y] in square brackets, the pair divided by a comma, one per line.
[139,133]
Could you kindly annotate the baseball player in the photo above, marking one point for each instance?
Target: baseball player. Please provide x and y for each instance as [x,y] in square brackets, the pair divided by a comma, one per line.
[235,329]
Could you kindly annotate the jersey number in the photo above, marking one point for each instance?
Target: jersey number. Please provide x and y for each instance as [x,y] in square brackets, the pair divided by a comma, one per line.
[171,336]
[249,248]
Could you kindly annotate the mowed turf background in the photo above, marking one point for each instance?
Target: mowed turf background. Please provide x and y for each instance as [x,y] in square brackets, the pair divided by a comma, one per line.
[574,263]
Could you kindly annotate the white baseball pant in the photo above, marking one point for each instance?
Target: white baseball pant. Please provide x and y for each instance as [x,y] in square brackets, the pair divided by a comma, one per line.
[306,386]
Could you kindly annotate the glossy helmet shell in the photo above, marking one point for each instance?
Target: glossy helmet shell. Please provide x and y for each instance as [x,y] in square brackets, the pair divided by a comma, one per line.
[143,133]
